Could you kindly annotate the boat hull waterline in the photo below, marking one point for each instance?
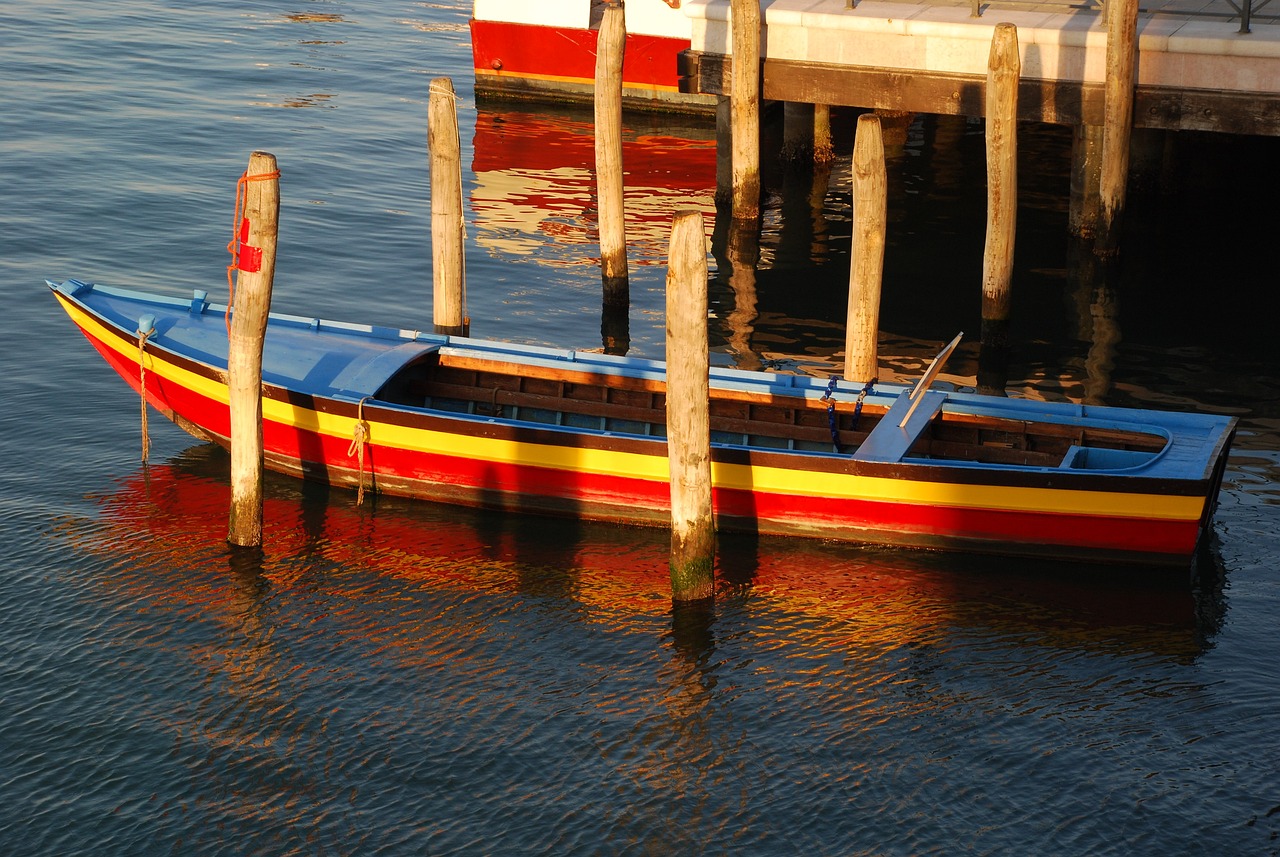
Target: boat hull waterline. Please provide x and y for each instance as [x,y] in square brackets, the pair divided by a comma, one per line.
[580,433]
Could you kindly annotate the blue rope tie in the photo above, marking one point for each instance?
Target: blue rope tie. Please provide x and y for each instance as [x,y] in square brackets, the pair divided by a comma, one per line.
[857,408]
[831,413]
[828,397]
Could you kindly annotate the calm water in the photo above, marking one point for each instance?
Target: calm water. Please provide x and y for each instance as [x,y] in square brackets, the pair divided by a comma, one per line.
[406,679]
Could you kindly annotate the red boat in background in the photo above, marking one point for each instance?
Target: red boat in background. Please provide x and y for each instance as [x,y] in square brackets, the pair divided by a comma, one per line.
[547,50]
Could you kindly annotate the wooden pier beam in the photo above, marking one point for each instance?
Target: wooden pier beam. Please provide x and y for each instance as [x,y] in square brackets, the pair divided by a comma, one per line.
[448,275]
[688,412]
[745,103]
[1004,67]
[1122,43]
[255,262]
[610,47]
[866,263]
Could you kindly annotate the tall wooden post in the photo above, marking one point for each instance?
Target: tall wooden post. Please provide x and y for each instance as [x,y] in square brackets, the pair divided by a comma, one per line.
[255,262]
[688,412]
[1003,69]
[1122,40]
[448,278]
[610,47]
[866,263]
[745,102]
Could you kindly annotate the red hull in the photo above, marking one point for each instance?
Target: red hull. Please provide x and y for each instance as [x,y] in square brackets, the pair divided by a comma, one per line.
[613,497]
[332,373]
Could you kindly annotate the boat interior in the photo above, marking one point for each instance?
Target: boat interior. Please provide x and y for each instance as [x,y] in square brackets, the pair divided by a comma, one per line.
[595,401]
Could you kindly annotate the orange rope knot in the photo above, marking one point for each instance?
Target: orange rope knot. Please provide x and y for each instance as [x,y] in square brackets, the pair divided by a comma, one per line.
[142,389]
[359,438]
[240,233]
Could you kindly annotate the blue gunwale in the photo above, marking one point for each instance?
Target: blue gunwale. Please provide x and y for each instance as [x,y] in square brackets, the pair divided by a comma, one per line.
[359,358]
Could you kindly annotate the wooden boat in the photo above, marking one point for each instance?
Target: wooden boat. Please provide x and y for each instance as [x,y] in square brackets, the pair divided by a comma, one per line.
[544,430]
[547,51]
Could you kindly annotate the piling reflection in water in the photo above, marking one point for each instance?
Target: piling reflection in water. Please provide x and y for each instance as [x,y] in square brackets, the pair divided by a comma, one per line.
[451,663]
[170,516]
[779,301]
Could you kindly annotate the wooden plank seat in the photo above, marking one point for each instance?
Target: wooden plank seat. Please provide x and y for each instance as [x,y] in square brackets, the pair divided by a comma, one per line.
[581,398]
[730,418]
[578,399]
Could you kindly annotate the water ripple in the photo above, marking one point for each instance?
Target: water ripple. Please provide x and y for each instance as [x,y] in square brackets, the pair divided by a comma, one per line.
[402,679]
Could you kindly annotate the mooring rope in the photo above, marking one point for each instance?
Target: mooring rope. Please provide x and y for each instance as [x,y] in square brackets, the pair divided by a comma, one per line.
[239,233]
[142,391]
[359,437]
[862,396]
[829,398]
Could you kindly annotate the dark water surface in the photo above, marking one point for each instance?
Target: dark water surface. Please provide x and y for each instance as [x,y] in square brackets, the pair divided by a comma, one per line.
[407,679]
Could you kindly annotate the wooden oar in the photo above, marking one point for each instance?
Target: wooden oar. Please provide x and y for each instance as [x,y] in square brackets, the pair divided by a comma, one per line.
[929,374]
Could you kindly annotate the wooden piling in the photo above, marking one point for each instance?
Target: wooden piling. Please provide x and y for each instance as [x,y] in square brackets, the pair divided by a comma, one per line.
[610,47]
[254,258]
[688,412]
[1086,168]
[1003,69]
[797,133]
[745,103]
[1122,40]
[823,147]
[448,275]
[724,152]
[866,264]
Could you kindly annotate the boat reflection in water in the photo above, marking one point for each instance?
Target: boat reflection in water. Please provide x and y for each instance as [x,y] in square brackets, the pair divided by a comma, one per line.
[167,527]
[535,192]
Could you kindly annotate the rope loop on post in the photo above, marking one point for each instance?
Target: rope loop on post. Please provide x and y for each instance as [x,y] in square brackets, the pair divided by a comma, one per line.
[359,438]
[142,391]
[240,233]
[862,396]
[829,398]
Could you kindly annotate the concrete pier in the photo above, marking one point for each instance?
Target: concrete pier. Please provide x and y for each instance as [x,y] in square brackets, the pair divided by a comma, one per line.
[1194,72]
